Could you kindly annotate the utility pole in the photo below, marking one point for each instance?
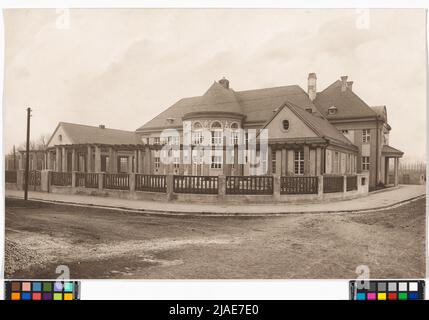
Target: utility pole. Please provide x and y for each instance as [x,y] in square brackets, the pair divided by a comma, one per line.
[27,155]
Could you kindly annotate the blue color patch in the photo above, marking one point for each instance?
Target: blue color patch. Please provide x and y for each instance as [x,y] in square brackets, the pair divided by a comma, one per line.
[37,286]
[361,296]
[413,295]
[25,296]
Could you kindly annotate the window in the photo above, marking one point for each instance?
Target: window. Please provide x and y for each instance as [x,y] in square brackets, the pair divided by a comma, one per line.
[285,124]
[197,137]
[216,162]
[176,162]
[123,164]
[60,137]
[365,163]
[332,110]
[299,162]
[273,161]
[345,131]
[156,140]
[217,137]
[157,162]
[234,137]
[366,136]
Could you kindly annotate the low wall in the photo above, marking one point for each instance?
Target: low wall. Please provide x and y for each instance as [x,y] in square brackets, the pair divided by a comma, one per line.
[221,197]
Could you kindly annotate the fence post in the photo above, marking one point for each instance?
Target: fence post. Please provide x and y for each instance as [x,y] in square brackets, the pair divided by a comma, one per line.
[344,184]
[276,187]
[132,182]
[169,181]
[73,179]
[320,187]
[44,180]
[19,179]
[221,186]
[100,180]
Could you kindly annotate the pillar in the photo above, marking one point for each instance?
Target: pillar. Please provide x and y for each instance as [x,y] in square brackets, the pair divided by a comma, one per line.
[181,164]
[318,161]
[89,159]
[276,187]
[236,167]
[57,159]
[283,161]
[64,159]
[48,160]
[279,162]
[270,161]
[306,160]
[386,170]
[130,164]
[73,160]
[97,164]
[396,171]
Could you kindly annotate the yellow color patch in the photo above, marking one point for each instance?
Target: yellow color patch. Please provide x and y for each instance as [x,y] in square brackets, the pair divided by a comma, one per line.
[68,296]
[381,296]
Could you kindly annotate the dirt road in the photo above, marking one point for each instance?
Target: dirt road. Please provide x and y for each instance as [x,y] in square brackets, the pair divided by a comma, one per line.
[98,243]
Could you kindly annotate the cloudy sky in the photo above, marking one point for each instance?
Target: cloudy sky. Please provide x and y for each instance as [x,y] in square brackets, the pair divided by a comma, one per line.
[122,67]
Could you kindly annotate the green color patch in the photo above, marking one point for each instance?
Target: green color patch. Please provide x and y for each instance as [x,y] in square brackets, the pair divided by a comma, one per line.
[402,296]
[47,286]
[58,296]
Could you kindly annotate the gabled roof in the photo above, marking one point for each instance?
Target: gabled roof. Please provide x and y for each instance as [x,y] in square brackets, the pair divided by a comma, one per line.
[319,124]
[256,105]
[390,151]
[82,134]
[348,103]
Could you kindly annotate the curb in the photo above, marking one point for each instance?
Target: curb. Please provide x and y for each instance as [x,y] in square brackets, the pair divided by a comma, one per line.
[231,214]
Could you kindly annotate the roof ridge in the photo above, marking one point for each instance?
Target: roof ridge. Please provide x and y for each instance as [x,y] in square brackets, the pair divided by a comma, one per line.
[95,127]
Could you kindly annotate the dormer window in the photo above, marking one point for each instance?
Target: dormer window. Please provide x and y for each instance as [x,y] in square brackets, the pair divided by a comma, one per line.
[285,124]
[332,110]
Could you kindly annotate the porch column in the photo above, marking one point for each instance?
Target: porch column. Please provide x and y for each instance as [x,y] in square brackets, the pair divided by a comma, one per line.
[97,164]
[58,159]
[64,160]
[181,164]
[270,161]
[386,170]
[306,160]
[130,164]
[115,161]
[236,168]
[283,161]
[89,159]
[318,161]
[147,160]
[136,161]
[48,160]
[396,171]
[73,160]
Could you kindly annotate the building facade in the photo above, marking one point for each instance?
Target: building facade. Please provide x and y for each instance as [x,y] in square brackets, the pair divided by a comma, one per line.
[306,133]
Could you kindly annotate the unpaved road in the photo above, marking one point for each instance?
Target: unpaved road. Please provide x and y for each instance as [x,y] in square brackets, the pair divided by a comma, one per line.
[98,243]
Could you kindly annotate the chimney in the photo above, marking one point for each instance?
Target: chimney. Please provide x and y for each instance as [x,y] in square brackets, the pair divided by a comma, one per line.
[343,83]
[350,85]
[102,126]
[312,90]
[224,83]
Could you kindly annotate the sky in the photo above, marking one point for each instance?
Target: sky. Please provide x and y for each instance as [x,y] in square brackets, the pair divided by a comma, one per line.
[121,67]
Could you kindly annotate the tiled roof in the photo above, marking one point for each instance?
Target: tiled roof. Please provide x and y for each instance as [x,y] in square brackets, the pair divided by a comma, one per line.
[82,134]
[256,105]
[348,104]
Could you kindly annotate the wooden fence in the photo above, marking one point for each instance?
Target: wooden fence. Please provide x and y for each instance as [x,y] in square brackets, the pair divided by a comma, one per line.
[333,184]
[299,185]
[352,183]
[10,176]
[252,185]
[87,179]
[61,179]
[117,181]
[153,183]
[195,184]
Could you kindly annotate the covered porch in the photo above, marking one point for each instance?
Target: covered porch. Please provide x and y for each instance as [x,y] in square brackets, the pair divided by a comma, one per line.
[389,155]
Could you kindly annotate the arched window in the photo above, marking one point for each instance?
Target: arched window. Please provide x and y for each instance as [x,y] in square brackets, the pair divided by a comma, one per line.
[285,124]
[234,133]
[60,137]
[234,125]
[216,125]
[197,133]
[217,134]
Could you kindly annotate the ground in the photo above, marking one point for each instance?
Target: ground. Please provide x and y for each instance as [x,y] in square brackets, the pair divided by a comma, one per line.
[100,243]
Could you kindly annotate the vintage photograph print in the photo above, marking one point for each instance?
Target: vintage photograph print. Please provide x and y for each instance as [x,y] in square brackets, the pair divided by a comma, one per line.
[215,143]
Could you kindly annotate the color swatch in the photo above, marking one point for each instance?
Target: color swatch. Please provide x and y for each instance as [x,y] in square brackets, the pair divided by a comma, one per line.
[387,290]
[42,290]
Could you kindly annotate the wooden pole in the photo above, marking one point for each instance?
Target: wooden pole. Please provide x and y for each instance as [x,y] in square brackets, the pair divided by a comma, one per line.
[27,152]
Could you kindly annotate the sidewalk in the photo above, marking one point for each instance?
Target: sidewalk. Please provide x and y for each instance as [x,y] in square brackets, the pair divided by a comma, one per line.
[379,200]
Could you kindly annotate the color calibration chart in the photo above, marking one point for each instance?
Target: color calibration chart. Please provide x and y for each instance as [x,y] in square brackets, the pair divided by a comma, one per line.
[387,290]
[42,290]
